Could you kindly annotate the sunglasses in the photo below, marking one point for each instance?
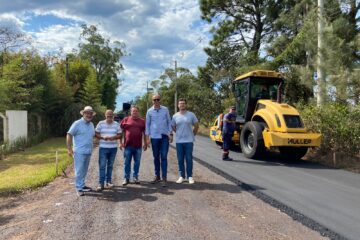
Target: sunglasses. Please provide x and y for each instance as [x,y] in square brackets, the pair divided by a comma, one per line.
[156,99]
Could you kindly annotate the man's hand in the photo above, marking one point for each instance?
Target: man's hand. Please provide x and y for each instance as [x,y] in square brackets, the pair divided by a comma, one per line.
[145,147]
[121,146]
[70,152]
[171,138]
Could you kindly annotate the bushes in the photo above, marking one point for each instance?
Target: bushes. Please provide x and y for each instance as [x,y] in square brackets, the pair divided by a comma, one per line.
[339,125]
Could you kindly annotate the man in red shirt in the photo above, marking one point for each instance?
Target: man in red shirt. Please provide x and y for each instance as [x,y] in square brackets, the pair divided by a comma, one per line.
[134,132]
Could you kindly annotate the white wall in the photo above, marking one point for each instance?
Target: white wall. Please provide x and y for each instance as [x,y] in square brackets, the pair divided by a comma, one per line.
[17,124]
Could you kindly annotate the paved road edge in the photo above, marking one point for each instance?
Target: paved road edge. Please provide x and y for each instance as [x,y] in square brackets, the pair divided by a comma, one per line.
[306,221]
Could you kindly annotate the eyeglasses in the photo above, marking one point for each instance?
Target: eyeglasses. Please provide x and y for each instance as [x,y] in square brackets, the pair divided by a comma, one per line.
[156,99]
[110,116]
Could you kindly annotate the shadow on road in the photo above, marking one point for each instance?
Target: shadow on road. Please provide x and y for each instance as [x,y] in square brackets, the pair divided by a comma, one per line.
[146,191]
[5,219]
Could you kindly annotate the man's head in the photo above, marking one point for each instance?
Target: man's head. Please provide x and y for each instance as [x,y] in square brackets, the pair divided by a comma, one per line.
[232,109]
[134,112]
[156,100]
[182,104]
[109,115]
[88,113]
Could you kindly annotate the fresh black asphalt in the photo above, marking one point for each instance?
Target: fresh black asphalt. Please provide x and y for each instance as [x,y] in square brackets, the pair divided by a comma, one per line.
[324,199]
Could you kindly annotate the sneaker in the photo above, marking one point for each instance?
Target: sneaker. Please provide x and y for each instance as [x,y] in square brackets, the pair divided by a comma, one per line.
[164,182]
[125,182]
[100,187]
[156,180]
[80,193]
[191,180]
[136,180]
[180,180]
[86,189]
[109,185]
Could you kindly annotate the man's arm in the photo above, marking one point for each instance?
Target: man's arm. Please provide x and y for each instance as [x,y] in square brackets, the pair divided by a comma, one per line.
[121,144]
[98,135]
[170,134]
[196,128]
[69,144]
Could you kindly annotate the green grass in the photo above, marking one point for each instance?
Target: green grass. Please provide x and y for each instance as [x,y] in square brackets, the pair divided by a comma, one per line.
[33,167]
[204,131]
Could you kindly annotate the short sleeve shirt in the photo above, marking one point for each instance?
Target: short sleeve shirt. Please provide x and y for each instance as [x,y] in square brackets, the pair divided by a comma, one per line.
[184,126]
[134,129]
[108,130]
[83,133]
[229,127]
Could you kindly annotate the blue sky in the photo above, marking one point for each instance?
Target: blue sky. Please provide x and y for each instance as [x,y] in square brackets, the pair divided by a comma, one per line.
[156,32]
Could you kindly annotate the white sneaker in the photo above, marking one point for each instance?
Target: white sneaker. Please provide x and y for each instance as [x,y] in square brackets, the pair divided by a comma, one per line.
[191,180]
[180,180]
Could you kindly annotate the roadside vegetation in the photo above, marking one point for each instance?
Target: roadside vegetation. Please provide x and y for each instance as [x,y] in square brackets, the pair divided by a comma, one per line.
[33,167]
[340,131]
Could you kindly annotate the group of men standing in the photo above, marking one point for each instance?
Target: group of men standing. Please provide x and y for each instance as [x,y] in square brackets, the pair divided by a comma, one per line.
[135,135]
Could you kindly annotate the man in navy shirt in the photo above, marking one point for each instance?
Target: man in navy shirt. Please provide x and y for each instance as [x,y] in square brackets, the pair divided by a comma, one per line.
[228,132]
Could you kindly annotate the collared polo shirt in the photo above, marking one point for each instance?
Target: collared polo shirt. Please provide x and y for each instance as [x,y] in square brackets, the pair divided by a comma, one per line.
[108,130]
[83,133]
[158,122]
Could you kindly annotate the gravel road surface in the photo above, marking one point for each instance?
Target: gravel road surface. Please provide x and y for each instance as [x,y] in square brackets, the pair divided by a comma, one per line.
[212,208]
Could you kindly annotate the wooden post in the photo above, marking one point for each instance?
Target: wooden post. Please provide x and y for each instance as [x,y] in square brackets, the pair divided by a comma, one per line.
[57,163]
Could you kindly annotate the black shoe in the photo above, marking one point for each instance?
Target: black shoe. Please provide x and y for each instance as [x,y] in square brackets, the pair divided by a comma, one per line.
[125,182]
[227,159]
[136,180]
[164,182]
[80,193]
[86,189]
[156,180]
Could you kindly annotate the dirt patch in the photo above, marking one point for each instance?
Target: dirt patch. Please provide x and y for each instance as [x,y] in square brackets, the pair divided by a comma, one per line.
[212,208]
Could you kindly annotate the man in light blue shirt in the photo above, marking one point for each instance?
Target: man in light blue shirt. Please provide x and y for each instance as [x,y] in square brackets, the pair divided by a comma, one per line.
[79,141]
[186,125]
[158,129]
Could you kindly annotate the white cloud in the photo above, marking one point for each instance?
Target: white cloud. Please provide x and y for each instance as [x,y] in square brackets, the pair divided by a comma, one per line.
[156,32]
[56,37]
[11,20]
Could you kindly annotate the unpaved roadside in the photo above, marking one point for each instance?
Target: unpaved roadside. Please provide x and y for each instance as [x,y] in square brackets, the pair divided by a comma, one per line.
[212,208]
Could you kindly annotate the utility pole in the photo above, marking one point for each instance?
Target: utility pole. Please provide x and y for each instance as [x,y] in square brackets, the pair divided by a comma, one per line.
[320,58]
[67,69]
[147,94]
[175,83]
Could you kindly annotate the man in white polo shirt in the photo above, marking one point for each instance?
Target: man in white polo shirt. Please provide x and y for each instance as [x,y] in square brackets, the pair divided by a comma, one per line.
[108,131]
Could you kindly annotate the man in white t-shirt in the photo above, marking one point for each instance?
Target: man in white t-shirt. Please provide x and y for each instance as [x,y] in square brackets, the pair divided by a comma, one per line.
[108,131]
[186,125]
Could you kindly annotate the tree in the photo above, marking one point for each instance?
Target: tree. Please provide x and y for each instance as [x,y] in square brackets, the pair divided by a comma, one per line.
[90,94]
[105,57]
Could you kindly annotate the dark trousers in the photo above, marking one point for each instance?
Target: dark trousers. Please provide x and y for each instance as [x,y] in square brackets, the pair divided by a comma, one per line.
[226,137]
[160,148]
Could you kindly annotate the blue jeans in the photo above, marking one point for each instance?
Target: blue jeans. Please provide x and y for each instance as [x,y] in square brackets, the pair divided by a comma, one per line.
[129,153]
[106,162]
[184,151]
[81,165]
[160,148]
